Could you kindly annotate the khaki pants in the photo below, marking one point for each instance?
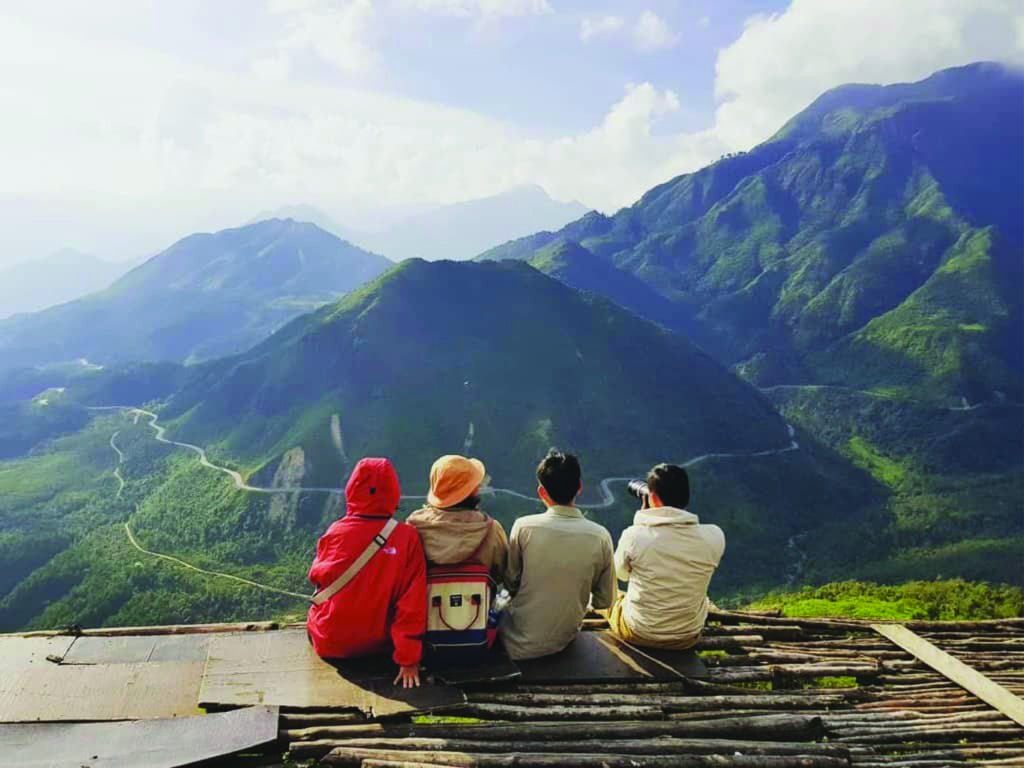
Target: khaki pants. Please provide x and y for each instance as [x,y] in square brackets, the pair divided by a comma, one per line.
[618,626]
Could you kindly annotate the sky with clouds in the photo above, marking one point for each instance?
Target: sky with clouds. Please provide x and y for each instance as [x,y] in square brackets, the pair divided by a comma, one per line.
[129,123]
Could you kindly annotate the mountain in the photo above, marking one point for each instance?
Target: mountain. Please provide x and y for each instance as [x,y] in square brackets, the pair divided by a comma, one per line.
[205,296]
[410,361]
[574,265]
[66,275]
[876,241]
[462,230]
[307,213]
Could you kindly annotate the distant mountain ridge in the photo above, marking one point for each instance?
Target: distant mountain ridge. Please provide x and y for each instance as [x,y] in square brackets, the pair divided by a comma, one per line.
[875,241]
[67,274]
[458,231]
[207,295]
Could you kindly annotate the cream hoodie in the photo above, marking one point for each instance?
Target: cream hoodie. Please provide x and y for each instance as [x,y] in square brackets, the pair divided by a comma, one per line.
[453,536]
[668,558]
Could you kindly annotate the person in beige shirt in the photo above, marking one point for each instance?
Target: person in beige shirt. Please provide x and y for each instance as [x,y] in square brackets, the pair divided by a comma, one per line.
[668,557]
[451,525]
[559,563]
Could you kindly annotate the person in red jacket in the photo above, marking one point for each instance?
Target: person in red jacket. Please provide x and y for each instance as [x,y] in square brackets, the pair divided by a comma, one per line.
[384,608]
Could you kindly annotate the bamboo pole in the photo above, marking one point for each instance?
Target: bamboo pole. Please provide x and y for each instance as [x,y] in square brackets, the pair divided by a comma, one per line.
[661,746]
[589,714]
[675,703]
[761,728]
[354,757]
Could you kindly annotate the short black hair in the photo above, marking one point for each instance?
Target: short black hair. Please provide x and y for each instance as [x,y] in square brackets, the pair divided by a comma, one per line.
[671,484]
[559,473]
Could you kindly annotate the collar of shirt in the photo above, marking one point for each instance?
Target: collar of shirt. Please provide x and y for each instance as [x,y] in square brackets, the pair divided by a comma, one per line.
[561,511]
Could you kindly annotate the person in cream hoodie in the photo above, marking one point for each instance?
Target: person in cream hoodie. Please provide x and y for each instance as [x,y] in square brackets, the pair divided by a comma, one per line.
[668,558]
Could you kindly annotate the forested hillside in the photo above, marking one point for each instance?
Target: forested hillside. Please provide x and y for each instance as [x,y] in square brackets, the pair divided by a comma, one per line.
[876,241]
[207,295]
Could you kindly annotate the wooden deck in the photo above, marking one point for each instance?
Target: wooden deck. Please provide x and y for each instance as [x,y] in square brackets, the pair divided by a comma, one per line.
[770,699]
[776,692]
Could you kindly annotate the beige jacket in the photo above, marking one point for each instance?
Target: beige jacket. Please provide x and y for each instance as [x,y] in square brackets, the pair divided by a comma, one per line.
[557,562]
[668,558]
[453,536]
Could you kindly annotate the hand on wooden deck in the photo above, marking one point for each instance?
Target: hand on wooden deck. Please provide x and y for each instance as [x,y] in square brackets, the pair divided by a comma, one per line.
[409,677]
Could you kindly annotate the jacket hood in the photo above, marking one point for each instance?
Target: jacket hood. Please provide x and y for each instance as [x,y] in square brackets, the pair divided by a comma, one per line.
[665,516]
[372,489]
[450,536]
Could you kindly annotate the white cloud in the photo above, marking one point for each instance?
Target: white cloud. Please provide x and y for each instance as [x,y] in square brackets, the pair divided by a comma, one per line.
[651,33]
[337,32]
[600,26]
[140,139]
[485,8]
[782,62]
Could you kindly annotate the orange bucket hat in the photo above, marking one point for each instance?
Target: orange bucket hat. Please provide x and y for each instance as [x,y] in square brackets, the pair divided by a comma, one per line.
[454,478]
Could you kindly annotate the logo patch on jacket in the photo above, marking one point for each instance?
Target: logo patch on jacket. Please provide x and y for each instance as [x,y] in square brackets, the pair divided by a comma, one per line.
[390,551]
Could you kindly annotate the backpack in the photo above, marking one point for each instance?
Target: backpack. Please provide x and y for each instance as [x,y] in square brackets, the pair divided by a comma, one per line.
[460,629]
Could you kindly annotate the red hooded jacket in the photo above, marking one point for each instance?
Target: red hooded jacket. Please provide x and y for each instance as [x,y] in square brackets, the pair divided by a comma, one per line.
[385,606]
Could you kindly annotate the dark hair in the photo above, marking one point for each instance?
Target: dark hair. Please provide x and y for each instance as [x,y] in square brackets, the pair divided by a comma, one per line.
[559,473]
[671,484]
[470,502]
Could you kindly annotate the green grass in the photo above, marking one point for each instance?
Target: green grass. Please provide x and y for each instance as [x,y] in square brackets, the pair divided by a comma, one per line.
[939,600]
[888,471]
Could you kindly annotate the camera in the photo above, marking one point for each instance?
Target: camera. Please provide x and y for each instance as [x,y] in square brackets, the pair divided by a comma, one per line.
[639,489]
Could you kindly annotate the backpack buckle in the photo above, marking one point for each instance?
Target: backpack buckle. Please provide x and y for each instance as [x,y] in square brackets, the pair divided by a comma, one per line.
[379,540]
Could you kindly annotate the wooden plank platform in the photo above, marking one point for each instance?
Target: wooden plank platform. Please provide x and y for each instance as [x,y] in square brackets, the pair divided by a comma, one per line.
[150,743]
[595,657]
[281,668]
[26,652]
[50,692]
[951,667]
[137,649]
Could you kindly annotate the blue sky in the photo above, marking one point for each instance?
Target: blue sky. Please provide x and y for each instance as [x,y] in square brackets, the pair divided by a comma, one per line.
[128,123]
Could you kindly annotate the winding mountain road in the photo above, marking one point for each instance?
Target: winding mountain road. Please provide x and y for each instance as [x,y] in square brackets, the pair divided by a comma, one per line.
[160,435]
[608,498]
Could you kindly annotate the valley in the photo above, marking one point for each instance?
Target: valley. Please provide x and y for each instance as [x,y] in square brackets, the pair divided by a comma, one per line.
[825,330]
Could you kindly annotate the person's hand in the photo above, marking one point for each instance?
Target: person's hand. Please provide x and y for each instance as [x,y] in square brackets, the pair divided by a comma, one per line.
[409,676]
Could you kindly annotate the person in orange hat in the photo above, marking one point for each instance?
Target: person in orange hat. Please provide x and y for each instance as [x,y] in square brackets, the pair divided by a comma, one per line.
[451,525]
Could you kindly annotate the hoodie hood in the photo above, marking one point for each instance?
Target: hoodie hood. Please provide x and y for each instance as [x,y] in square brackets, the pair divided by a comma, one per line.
[665,516]
[450,536]
[372,489]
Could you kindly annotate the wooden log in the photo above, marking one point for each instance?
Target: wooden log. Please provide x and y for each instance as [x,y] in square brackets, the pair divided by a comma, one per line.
[168,629]
[848,717]
[770,672]
[660,746]
[821,625]
[760,728]
[309,719]
[347,756]
[783,632]
[946,735]
[371,763]
[668,702]
[727,642]
[569,713]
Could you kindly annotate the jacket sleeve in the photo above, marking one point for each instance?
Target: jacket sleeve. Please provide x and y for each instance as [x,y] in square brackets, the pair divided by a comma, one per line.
[499,553]
[624,556]
[604,589]
[410,618]
[317,569]
[514,572]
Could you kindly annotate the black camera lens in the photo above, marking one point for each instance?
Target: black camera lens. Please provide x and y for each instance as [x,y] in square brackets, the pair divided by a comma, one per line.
[638,488]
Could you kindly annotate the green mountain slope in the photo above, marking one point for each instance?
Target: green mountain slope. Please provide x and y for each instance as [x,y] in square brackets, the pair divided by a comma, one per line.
[497,360]
[877,238]
[205,296]
[410,361]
